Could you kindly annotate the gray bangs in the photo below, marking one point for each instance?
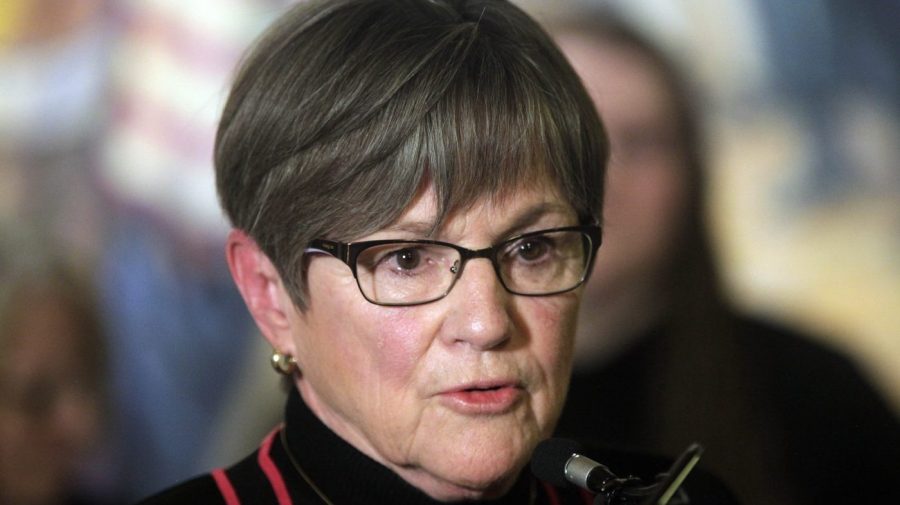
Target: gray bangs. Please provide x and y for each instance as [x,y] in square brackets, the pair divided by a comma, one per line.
[503,125]
[495,122]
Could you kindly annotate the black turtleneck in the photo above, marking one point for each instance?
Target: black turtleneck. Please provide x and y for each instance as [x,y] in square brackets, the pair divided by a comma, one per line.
[342,473]
[345,475]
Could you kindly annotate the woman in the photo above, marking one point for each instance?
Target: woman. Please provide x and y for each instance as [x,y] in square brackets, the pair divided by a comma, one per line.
[360,121]
[414,188]
[662,358]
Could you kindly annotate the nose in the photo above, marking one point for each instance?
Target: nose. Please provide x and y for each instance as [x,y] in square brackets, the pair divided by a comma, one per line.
[480,308]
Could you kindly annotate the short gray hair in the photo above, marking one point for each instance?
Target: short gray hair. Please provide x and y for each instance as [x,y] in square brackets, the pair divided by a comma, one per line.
[345,109]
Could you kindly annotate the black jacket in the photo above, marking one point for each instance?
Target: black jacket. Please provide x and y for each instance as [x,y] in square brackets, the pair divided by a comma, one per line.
[346,476]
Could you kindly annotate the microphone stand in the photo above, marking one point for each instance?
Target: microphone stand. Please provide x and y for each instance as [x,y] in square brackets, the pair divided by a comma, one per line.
[665,491]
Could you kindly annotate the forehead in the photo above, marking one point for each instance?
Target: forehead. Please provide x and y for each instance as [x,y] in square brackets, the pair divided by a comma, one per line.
[494,214]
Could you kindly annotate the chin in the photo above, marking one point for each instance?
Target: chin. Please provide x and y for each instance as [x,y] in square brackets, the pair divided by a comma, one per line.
[474,475]
[475,489]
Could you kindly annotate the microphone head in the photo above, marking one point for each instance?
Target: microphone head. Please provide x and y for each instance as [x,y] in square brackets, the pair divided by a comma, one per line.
[548,462]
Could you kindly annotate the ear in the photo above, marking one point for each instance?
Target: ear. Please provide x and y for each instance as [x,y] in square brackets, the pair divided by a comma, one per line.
[262,289]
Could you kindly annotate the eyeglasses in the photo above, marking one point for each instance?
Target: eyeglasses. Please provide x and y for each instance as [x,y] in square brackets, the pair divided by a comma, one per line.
[413,272]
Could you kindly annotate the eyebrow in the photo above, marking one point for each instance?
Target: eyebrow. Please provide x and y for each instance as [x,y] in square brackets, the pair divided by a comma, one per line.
[532,215]
[527,218]
[417,228]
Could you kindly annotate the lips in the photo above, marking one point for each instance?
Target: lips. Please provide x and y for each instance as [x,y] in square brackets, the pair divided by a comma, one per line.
[483,398]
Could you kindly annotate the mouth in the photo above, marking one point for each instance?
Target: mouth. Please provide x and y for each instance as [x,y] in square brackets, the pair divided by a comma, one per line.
[483,398]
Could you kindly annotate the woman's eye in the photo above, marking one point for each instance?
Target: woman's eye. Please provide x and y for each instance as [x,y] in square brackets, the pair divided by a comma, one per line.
[407,259]
[533,249]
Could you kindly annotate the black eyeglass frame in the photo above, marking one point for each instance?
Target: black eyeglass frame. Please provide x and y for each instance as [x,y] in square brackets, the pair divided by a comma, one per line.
[348,253]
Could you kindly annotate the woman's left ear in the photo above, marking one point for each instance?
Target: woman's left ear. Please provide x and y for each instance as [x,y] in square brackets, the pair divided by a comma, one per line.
[263,291]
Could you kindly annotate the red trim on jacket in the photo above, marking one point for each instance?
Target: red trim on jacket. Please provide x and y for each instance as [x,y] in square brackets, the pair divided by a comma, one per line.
[225,487]
[271,471]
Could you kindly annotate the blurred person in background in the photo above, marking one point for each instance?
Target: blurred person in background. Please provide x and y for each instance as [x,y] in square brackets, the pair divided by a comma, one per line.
[107,114]
[662,358]
[107,118]
[53,76]
[52,380]
[165,290]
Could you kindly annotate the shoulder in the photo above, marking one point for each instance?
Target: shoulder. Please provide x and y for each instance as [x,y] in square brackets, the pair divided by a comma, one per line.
[805,369]
[787,343]
[807,381]
[244,482]
[839,423]
[201,490]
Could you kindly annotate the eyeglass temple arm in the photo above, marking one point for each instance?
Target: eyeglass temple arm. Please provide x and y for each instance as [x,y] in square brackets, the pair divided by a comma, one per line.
[336,249]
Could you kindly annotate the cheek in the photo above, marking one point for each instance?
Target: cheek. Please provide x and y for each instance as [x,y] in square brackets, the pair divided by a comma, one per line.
[401,337]
[555,316]
[362,368]
[551,328]
[385,348]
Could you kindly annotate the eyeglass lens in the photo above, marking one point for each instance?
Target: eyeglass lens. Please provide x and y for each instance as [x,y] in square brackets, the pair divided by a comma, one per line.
[403,273]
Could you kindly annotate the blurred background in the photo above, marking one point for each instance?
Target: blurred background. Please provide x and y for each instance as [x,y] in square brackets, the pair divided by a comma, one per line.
[107,118]
[801,102]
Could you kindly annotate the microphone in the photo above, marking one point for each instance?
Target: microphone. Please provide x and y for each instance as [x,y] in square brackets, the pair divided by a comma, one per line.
[555,454]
